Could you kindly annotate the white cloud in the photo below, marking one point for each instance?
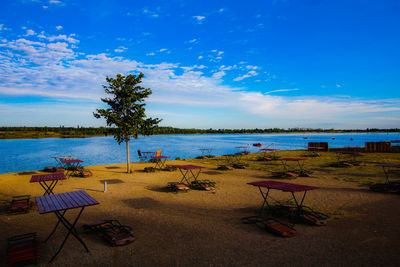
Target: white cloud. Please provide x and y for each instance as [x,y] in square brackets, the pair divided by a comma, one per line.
[56,70]
[120,49]
[63,37]
[45,7]
[55,2]
[251,73]
[163,50]
[221,10]
[30,32]
[150,54]
[200,57]
[281,90]
[219,74]
[59,27]
[199,19]
[193,40]
[150,13]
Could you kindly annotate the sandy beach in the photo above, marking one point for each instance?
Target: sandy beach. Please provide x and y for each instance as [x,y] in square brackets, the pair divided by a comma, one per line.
[203,228]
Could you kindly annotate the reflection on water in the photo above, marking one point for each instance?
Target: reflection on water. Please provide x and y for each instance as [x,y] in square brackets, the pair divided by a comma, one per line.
[17,155]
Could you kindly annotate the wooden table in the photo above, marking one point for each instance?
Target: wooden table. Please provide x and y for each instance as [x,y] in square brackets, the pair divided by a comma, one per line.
[71,165]
[159,161]
[59,204]
[190,173]
[42,179]
[59,162]
[386,169]
[285,187]
[300,163]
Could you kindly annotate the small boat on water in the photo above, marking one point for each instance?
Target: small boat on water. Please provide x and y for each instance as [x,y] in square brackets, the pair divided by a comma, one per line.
[257,144]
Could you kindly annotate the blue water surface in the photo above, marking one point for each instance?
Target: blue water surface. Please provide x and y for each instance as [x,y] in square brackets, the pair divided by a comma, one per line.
[18,155]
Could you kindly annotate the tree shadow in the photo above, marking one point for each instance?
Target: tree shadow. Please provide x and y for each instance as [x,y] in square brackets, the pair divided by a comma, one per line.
[142,203]
[28,173]
[112,181]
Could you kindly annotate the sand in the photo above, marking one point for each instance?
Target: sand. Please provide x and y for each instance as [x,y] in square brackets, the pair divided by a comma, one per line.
[203,228]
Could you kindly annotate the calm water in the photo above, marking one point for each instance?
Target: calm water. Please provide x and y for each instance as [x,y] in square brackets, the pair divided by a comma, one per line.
[34,154]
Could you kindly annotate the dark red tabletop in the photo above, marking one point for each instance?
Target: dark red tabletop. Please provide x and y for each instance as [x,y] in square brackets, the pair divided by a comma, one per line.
[287,187]
[47,177]
[292,159]
[189,167]
[348,152]
[64,201]
[68,161]
[389,165]
[160,157]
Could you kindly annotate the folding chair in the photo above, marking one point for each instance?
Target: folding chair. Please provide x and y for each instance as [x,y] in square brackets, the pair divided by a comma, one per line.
[112,231]
[22,249]
[158,153]
[20,203]
[142,158]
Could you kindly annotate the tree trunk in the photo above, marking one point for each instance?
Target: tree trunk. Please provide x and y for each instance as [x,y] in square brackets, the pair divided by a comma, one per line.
[127,157]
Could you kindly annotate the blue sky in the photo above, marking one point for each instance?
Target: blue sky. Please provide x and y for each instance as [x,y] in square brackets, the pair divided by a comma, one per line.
[210,64]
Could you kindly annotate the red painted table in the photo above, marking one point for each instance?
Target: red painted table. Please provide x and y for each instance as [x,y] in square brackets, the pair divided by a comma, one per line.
[353,154]
[147,154]
[189,172]
[386,169]
[266,150]
[71,165]
[159,161]
[285,187]
[58,160]
[42,179]
[300,163]
[59,204]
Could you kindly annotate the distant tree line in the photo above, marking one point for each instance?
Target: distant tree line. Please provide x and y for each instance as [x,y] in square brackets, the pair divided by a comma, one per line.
[80,131]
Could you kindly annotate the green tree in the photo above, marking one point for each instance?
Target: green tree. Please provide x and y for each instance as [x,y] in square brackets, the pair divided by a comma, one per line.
[126,110]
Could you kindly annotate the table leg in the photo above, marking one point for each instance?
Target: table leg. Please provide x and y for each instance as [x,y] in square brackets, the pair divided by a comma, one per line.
[52,232]
[386,171]
[71,229]
[265,196]
[184,176]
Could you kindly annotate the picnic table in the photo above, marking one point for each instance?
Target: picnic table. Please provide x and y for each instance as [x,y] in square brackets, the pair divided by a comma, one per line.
[285,187]
[72,166]
[352,154]
[387,168]
[59,204]
[159,161]
[267,150]
[147,154]
[43,180]
[313,151]
[190,173]
[59,161]
[300,164]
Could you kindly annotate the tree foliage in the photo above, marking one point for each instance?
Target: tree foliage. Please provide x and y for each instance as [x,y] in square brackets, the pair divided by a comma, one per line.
[126,110]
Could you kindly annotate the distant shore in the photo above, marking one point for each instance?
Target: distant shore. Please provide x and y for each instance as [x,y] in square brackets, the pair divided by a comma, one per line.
[82,132]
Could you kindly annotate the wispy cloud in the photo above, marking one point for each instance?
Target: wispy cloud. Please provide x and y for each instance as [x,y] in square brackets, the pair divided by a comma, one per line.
[199,19]
[59,27]
[120,49]
[282,90]
[251,73]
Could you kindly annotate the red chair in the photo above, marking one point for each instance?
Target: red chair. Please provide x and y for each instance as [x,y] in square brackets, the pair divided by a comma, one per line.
[22,249]
[20,204]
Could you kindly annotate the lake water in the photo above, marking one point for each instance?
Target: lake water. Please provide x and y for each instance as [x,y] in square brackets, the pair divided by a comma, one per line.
[18,155]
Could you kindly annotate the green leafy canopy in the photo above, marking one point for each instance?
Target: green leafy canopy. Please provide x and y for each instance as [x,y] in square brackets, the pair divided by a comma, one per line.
[126,110]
